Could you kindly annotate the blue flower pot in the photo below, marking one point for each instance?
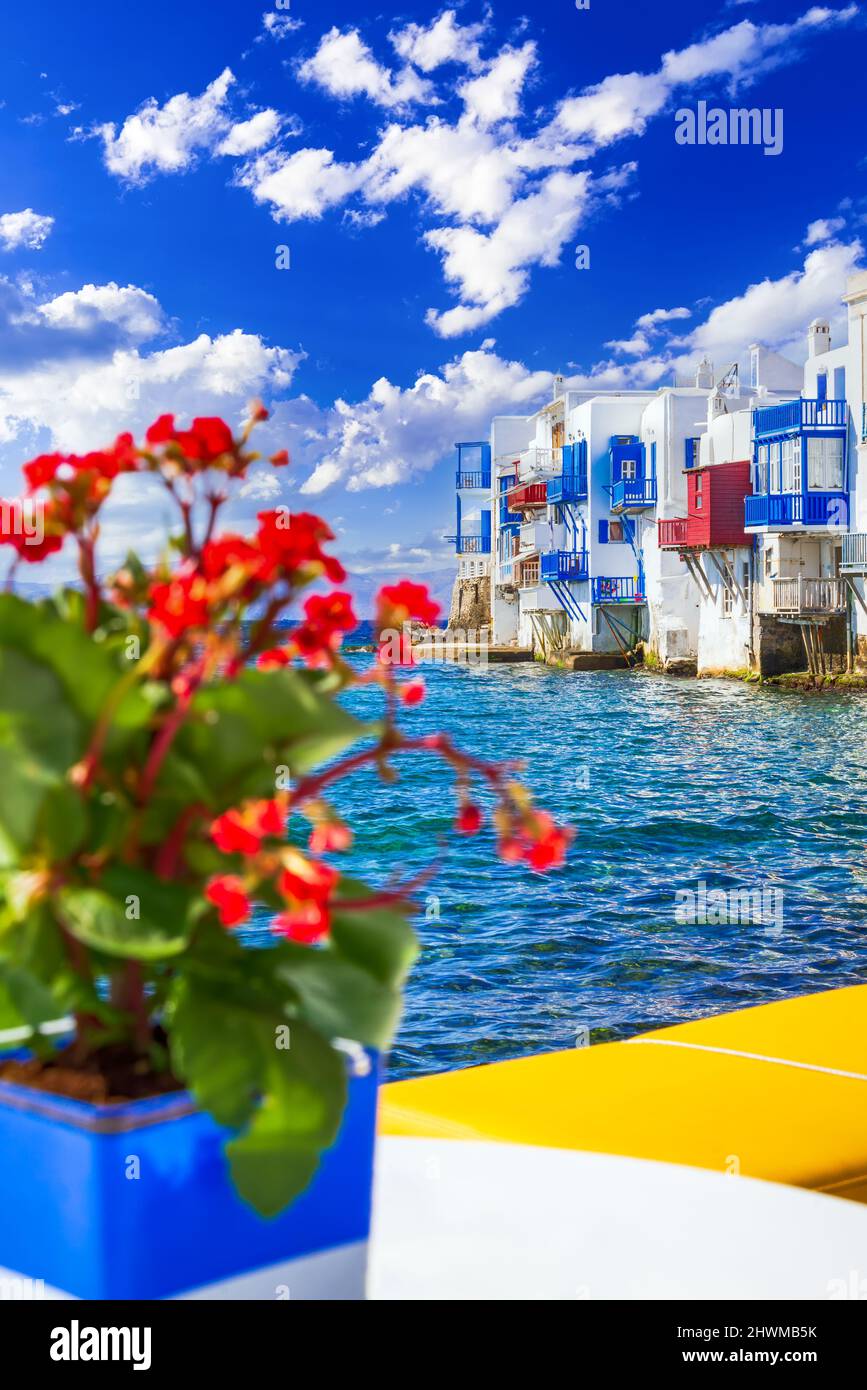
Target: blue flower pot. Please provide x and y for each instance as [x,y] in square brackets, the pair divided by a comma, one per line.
[135,1201]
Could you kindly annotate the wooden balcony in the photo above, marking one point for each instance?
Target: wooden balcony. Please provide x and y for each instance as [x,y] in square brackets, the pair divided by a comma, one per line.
[804,599]
[527,495]
[529,575]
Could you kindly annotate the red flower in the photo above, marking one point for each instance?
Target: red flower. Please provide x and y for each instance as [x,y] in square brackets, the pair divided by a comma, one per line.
[162,430]
[42,470]
[208,438]
[330,837]
[542,845]
[274,658]
[231,834]
[413,692]
[226,552]
[228,896]
[469,820]
[310,881]
[280,459]
[307,923]
[241,831]
[180,604]
[292,540]
[403,602]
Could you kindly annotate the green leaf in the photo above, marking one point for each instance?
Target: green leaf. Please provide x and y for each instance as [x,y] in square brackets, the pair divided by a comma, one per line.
[216,1051]
[131,914]
[378,939]
[87,669]
[241,731]
[338,998]
[305,1088]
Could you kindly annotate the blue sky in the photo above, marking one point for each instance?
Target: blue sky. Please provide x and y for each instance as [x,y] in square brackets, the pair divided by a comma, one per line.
[431,170]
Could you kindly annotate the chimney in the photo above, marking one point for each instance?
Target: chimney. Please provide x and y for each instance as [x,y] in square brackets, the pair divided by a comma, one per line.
[716,406]
[704,374]
[559,386]
[818,338]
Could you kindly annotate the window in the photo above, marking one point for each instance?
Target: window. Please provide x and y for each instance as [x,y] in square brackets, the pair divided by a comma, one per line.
[691,452]
[791,465]
[822,386]
[699,491]
[762,465]
[769,563]
[824,463]
[628,470]
[745,581]
[839,383]
[615,531]
[726,601]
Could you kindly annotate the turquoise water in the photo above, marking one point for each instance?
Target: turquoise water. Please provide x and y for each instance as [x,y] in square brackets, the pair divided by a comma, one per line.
[667,783]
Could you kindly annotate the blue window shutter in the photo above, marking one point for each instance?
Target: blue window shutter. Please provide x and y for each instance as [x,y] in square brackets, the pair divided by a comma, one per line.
[839,383]
[567,457]
[603,533]
[822,386]
[582,453]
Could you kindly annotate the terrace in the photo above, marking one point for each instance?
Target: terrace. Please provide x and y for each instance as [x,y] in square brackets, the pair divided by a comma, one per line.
[633,494]
[801,598]
[802,414]
[610,589]
[567,565]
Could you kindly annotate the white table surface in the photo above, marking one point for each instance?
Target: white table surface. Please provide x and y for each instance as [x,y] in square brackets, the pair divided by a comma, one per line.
[469,1220]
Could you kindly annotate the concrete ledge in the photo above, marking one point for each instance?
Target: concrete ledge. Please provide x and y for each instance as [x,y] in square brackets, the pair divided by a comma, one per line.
[589,661]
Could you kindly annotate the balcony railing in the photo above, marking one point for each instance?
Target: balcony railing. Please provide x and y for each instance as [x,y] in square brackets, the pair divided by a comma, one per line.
[633,494]
[799,415]
[607,589]
[807,597]
[855,552]
[529,574]
[477,482]
[818,509]
[565,564]
[673,533]
[471,544]
[527,495]
[568,487]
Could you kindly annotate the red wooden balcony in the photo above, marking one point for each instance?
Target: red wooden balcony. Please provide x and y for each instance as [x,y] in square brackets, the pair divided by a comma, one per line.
[715,510]
[527,495]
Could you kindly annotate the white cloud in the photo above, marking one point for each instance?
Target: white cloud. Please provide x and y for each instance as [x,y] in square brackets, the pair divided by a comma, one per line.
[649,322]
[776,312]
[261,487]
[27,228]
[247,136]
[344,66]
[629,347]
[443,41]
[302,184]
[167,138]
[491,270]
[495,96]
[280,26]
[137,313]
[623,103]
[395,433]
[823,229]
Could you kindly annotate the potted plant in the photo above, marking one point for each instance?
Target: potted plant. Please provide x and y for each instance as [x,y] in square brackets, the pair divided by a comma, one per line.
[203,1122]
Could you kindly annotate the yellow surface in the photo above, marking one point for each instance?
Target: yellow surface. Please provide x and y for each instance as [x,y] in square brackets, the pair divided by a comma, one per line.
[782,1114]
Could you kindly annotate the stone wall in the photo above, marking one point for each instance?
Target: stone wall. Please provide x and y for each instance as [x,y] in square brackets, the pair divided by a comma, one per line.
[779,647]
[471,604]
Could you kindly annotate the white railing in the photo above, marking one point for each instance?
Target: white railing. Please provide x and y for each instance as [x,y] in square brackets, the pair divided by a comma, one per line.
[855,551]
[807,596]
[529,574]
[536,462]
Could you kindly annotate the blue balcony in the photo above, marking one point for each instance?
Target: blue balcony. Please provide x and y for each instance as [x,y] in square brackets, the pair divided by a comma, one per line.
[621,589]
[472,482]
[802,414]
[633,494]
[568,487]
[565,565]
[471,543]
[817,509]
